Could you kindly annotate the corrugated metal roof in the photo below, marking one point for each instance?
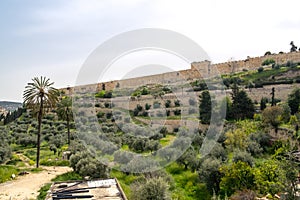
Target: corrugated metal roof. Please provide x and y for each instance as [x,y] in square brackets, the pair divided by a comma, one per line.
[94,190]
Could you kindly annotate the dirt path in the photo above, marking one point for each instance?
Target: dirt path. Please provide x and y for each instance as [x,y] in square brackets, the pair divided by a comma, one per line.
[27,186]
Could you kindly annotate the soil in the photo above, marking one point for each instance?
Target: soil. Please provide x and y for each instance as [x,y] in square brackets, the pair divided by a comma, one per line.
[26,187]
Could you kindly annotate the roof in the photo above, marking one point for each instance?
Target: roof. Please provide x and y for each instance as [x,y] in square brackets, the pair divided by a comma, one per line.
[108,189]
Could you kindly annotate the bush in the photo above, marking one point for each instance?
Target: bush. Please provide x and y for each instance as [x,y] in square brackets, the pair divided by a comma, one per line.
[168,104]
[260,69]
[154,189]
[177,112]
[243,156]
[210,174]
[156,104]
[67,177]
[100,114]
[277,66]
[268,62]
[6,172]
[5,152]
[147,106]
[43,191]
[123,157]
[177,103]
[85,165]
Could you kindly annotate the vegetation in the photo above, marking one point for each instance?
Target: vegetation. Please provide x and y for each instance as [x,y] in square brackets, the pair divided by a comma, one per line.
[38,96]
[253,157]
[294,101]
[242,106]
[64,112]
[43,191]
[205,107]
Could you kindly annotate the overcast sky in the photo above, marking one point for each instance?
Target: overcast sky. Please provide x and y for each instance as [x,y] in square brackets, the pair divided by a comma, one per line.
[53,38]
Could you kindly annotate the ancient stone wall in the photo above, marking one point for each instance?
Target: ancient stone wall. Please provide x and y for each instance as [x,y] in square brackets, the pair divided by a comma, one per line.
[198,70]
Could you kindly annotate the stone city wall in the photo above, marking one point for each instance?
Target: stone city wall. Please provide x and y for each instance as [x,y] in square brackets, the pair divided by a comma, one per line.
[198,70]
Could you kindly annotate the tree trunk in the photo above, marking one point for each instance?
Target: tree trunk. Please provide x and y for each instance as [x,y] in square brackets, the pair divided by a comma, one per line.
[185,166]
[68,125]
[40,115]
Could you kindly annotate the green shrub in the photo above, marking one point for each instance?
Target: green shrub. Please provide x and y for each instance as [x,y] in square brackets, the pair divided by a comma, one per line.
[291,64]
[268,62]
[155,189]
[147,106]
[31,153]
[177,103]
[43,191]
[5,152]
[67,177]
[177,112]
[14,160]
[260,69]
[85,165]
[6,172]
[54,162]
[168,103]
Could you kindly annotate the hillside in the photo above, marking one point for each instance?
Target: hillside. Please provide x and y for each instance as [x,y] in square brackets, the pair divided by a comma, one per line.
[10,106]
[169,138]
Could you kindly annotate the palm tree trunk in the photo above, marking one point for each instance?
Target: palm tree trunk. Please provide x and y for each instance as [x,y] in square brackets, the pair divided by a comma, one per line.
[39,133]
[68,125]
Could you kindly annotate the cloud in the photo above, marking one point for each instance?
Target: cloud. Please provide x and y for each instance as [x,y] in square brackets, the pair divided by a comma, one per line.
[55,37]
[82,16]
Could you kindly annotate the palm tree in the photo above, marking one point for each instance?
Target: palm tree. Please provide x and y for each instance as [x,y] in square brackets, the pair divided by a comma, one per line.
[64,112]
[37,96]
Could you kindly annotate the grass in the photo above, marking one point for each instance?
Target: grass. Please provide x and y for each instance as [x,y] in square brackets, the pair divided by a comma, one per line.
[255,76]
[6,172]
[47,157]
[267,73]
[67,177]
[187,184]
[43,191]
[124,180]
[16,161]
[167,140]
[17,147]
[34,170]
[125,147]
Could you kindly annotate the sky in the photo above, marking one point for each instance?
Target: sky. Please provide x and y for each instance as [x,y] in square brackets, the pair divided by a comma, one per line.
[53,38]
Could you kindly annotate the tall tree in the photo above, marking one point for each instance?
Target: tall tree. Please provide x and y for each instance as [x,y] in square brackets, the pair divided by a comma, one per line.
[205,107]
[263,103]
[64,112]
[293,46]
[242,105]
[272,116]
[38,95]
[294,101]
[273,103]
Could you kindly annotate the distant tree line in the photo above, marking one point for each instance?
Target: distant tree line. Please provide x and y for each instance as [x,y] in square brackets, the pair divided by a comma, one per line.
[12,116]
